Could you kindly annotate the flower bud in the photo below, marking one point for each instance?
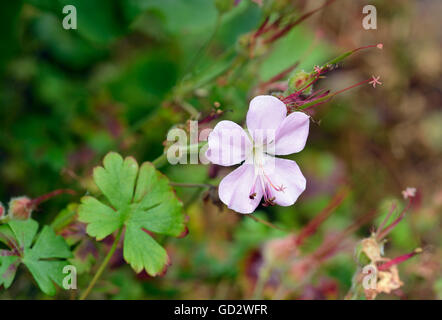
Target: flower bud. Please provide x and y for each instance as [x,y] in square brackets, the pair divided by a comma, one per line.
[20,208]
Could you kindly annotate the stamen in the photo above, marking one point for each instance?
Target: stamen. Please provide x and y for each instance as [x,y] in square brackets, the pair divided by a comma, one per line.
[271,184]
[252,194]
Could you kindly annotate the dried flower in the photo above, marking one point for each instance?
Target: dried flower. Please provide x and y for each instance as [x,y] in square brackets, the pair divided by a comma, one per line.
[20,208]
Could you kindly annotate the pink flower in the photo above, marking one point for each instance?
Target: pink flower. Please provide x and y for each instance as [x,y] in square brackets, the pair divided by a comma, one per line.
[262,175]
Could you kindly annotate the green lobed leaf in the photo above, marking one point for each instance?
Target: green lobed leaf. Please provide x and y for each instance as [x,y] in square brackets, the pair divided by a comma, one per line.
[24,231]
[142,201]
[47,246]
[8,267]
[45,259]
[6,234]
[65,217]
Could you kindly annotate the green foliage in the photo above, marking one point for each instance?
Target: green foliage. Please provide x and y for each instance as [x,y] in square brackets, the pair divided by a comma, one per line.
[45,259]
[140,200]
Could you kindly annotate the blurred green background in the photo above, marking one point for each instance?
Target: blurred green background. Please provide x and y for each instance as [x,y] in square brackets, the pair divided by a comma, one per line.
[135,68]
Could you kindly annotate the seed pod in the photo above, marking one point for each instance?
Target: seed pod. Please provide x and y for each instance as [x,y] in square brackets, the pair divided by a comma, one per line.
[298,81]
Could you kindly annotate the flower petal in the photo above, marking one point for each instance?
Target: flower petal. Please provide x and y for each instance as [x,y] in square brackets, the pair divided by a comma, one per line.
[285,173]
[234,190]
[228,143]
[265,115]
[292,134]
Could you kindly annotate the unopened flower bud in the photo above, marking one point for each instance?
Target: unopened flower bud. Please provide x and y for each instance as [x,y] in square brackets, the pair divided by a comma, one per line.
[20,208]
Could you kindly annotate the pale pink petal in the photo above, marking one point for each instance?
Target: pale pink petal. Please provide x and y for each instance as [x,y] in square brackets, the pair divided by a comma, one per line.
[228,144]
[235,189]
[265,115]
[292,134]
[285,174]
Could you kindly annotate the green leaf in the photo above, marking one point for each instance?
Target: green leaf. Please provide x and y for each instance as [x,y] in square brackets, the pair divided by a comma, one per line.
[6,234]
[101,219]
[24,231]
[142,252]
[117,179]
[8,267]
[45,272]
[143,202]
[65,217]
[49,245]
[43,259]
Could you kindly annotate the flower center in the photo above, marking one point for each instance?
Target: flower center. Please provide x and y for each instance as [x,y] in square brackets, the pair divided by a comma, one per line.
[261,179]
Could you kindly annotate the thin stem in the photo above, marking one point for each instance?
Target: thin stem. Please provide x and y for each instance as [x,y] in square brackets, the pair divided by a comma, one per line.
[160,161]
[189,109]
[103,265]
[35,202]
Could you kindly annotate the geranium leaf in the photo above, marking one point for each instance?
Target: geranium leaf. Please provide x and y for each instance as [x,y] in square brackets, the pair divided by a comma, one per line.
[49,245]
[45,259]
[8,267]
[102,220]
[142,201]
[143,252]
[24,231]
[6,234]
[155,195]
[117,179]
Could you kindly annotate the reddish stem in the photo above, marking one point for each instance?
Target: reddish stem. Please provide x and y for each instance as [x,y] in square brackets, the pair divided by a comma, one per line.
[390,212]
[387,229]
[398,260]
[280,75]
[35,202]
[288,27]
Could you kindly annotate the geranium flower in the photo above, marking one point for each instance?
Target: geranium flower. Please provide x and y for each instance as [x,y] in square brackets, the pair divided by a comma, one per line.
[262,175]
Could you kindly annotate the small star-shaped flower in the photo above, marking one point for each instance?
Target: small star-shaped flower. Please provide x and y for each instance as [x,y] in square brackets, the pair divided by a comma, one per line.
[375,81]
[409,193]
[318,69]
